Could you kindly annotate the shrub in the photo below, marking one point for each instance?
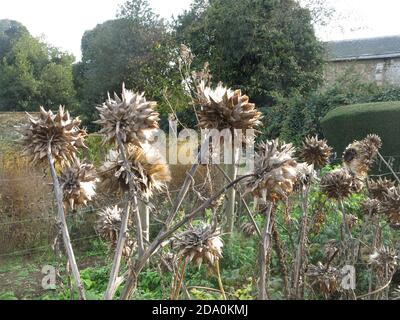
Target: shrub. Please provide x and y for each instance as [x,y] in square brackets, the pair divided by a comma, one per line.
[347,123]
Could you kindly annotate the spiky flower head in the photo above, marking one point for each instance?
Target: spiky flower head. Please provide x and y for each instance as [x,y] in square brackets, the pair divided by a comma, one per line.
[275,172]
[384,258]
[149,172]
[248,229]
[223,108]
[371,206]
[108,226]
[108,223]
[78,183]
[326,280]
[60,130]
[316,152]
[305,176]
[200,244]
[379,188]
[337,184]
[391,207]
[131,115]
[360,155]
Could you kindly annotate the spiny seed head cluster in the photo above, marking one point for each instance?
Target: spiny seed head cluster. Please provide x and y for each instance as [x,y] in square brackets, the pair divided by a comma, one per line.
[379,188]
[78,183]
[383,258]
[360,155]
[149,172]
[316,152]
[324,280]
[337,184]
[108,226]
[60,130]
[200,244]
[131,115]
[223,108]
[275,172]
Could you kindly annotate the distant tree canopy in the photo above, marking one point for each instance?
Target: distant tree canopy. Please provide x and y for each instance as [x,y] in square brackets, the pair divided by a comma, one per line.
[136,48]
[32,73]
[265,47]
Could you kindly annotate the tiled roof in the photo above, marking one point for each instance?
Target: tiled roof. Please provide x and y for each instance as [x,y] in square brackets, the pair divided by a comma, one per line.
[357,49]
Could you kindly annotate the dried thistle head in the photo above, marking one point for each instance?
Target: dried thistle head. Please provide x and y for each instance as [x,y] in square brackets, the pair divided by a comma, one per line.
[360,155]
[371,206]
[391,207]
[78,183]
[248,229]
[379,188]
[223,108]
[383,258]
[326,281]
[108,226]
[316,152]
[337,184]
[131,115]
[275,172]
[60,130]
[305,176]
[149,172]
[200,244]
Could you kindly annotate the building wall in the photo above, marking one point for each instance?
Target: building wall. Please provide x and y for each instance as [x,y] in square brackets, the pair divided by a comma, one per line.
[381,71]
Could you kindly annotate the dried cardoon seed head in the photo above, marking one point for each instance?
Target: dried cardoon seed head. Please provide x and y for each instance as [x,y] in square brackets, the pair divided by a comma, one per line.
[225,109]
[384,258]
[200,244]
[337,184]
[326,281]
[379,188]
[371,206]
[248,229]
[78,183]
[132,115]
[316,152]
[150,172]
[108,226]
[360,155]
[391,207]
[60,129]
[305,176]
[275,172]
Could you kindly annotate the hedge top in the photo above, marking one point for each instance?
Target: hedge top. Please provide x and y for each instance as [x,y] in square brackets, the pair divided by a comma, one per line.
[353,122]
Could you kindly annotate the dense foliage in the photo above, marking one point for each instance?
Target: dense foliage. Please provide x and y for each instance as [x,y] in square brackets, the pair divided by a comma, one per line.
[32,73]
[347,123]
[264,47]
[294,118]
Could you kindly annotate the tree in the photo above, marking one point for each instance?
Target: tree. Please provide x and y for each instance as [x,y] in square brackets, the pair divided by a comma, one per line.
[136,48]
[32,73]
[265,47]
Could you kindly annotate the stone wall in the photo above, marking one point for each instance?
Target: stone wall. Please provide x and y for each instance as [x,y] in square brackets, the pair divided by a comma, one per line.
[381,71]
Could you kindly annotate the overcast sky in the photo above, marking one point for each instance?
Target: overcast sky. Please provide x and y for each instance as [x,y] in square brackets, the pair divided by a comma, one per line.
[62,23]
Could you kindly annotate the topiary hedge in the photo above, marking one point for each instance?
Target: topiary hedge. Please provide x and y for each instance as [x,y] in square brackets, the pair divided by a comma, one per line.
[347,123]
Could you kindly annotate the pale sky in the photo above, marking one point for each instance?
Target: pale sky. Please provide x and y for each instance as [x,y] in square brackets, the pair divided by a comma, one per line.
[63,22]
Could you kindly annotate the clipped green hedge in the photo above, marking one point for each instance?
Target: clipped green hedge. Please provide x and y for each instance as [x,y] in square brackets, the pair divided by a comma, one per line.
[347,123]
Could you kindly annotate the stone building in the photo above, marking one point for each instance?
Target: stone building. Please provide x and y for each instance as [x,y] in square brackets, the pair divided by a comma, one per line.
[374,59]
